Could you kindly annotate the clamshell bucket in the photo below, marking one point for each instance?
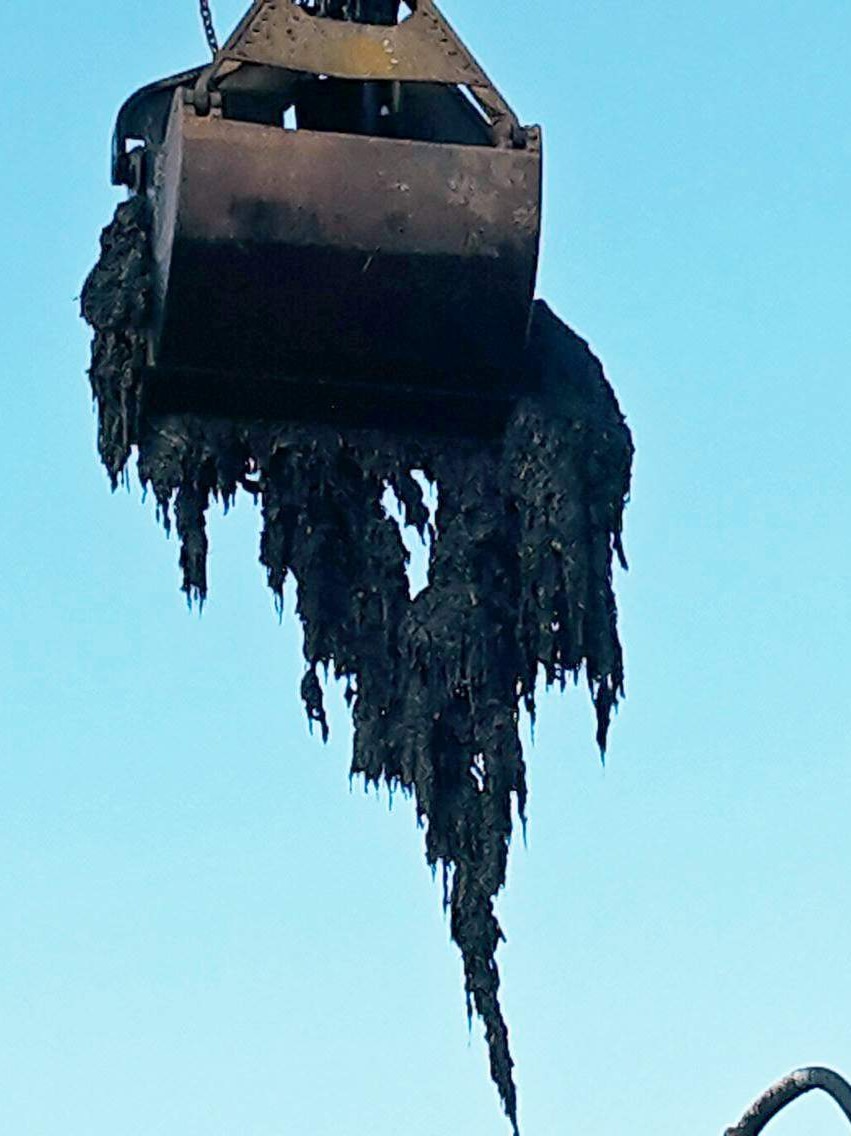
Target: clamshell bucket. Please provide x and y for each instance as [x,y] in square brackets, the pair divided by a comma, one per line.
[336,204]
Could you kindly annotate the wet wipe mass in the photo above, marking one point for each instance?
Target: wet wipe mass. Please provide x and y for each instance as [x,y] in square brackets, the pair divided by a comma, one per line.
[519,588]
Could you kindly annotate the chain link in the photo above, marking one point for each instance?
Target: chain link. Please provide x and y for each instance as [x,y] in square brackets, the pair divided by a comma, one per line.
[209,26]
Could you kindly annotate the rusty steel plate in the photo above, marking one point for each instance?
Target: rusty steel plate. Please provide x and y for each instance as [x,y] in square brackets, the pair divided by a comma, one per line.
[423,48]
[294,252]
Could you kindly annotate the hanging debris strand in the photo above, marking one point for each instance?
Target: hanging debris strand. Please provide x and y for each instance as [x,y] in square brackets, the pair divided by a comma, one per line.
[520,578]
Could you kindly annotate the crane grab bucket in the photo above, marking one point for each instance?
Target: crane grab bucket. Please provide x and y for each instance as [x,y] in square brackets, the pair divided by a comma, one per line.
[335,206]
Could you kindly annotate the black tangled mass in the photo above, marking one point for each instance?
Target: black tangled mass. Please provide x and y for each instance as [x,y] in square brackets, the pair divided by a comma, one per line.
[519,587]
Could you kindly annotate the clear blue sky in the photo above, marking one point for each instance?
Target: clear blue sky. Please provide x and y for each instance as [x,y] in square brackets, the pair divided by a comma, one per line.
[203,932]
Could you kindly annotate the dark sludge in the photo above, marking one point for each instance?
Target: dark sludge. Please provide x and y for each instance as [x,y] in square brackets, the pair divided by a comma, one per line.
[519,588]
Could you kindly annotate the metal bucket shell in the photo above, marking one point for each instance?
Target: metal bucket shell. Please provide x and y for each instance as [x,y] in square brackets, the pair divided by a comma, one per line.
[295,254]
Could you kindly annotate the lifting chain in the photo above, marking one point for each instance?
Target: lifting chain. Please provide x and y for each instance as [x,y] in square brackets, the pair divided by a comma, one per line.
[209,26]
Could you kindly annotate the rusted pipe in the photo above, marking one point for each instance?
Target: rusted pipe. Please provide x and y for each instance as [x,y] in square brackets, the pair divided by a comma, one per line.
[787,1090]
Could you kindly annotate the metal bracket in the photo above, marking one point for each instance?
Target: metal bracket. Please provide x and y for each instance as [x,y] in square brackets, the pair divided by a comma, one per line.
[424,48]
[144,117]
